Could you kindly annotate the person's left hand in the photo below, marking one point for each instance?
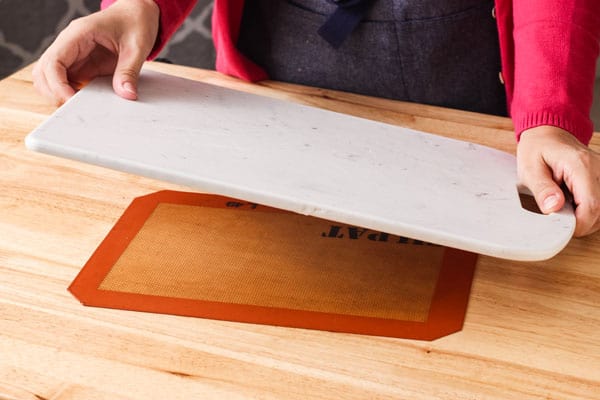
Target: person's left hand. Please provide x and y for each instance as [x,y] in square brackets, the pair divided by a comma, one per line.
[547,157]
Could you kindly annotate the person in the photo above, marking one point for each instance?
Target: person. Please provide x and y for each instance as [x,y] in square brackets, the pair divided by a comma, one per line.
[547,51]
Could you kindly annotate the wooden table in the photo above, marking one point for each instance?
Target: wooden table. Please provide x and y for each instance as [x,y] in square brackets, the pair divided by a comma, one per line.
[532,329]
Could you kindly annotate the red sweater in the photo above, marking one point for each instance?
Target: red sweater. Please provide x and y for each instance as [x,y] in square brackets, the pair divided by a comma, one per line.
[548,48]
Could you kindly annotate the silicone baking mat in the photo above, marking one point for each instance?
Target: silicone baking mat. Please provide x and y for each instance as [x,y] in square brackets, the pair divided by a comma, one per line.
[215,257]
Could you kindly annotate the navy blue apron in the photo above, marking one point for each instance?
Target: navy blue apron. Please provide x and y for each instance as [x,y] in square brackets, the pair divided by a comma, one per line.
[436,52]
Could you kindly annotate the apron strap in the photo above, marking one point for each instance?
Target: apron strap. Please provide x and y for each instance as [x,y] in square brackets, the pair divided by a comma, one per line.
[343,20]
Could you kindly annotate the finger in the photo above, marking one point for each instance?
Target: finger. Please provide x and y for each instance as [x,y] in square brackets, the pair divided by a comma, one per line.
[39,81]
[57,81]
[586,194]
[54,69]
[71,46]
[537,177]
[41,84]
[127,71]
[586,216]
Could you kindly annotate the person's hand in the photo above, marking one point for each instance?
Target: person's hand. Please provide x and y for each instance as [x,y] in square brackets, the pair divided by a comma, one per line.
[547,157]
[116,40]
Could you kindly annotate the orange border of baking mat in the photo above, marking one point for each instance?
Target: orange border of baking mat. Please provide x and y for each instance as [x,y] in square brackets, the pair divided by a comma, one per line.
[446,314]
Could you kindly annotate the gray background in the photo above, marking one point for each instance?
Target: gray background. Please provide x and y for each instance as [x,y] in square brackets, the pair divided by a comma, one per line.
[27,27]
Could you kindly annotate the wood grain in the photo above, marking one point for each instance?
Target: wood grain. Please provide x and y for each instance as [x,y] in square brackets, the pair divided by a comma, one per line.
[532,329]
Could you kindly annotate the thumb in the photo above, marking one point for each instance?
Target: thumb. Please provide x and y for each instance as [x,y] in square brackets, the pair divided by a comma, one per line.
[127,71]
[538,179]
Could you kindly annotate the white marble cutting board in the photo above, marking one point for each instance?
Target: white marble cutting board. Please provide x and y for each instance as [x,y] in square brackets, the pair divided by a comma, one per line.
[307,160]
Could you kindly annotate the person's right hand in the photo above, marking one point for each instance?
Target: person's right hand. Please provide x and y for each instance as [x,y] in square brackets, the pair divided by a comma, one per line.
[116,40]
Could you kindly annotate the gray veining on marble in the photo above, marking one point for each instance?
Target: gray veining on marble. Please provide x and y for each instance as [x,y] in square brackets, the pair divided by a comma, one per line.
[307,160]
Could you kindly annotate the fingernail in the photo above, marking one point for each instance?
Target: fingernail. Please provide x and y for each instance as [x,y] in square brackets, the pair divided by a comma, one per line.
[550,202]
[128,86]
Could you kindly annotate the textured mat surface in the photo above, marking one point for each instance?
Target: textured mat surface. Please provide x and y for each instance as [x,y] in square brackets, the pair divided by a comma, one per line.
[215,257]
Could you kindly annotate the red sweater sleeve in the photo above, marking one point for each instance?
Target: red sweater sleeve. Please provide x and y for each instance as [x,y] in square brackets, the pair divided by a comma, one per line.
[172,15]
[556,44]
[226,20]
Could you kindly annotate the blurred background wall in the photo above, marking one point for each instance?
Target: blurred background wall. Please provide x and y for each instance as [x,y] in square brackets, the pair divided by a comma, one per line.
[27,27]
